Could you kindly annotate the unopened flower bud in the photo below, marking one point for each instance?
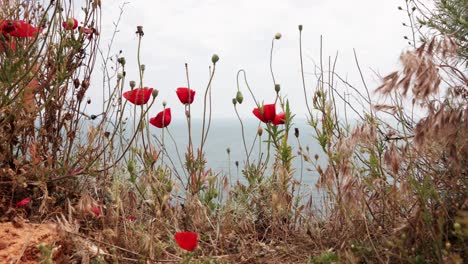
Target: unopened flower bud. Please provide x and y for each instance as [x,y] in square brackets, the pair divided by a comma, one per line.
[119,76]
[278,36]
[142,67]
[239,97]
[70,23]
[448,245]
[234,101]
[85,83]
[228,150]
[214,58]
[155,93]
[277,88]
[76,83]
[132,84]
[93,117]
[96,3]
[296,132]
[121,60]
[260,131]
[300,27]
[140,31]
[164,103]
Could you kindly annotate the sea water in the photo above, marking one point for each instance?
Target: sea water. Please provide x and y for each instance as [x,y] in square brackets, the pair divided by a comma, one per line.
[225,134]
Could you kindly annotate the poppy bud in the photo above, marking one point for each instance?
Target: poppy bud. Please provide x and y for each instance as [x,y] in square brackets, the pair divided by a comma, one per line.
[155,93]
[228,150]
[277,88]
[140,31]
[132,84]
[239,97]
[278,36]
[234,101]
[316,156]
[142,67]
[164,103]
[71,23]
[119,76]
[76,83]
[89,101]
[131,166]
[121,60]
[300,27]
[448,245]
[214,58]
[93,117]
[96,3]
[260,131]
[236,163]
[85,83]
[296,132]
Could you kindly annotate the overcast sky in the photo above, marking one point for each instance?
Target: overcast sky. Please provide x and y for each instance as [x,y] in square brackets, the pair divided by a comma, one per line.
[240,32]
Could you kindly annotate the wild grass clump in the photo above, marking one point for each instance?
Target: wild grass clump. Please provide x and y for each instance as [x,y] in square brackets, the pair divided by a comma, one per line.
[44,76]
[393,185]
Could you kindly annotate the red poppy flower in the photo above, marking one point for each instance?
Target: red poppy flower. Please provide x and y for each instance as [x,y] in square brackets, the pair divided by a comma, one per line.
[266,113]
[185,95]
[131,218]
[96,210]
[162,119]
[279,119]
[19,28]
[23,202]
[186,240]
[85,30]
[70,24]
[138,96]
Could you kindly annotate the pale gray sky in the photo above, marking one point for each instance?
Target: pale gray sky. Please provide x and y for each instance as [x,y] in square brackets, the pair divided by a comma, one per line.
[240,32]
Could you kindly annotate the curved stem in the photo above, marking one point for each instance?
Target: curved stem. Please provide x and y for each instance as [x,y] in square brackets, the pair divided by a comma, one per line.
[302,73]
[204,111]
[271,61]
[243,136]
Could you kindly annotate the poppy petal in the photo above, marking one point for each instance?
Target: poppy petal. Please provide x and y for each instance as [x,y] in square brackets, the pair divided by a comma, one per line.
[186,240]
[265,113]
[162,119]
[138,96]
[19,28]
[279,119]
[23,202]
[70,24]
[96,210]
[186,95]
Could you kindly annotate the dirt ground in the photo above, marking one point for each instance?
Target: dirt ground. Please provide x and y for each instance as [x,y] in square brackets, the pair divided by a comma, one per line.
[19,242]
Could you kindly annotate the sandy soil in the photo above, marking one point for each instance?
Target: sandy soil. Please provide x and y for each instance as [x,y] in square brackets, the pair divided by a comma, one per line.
[21,240]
